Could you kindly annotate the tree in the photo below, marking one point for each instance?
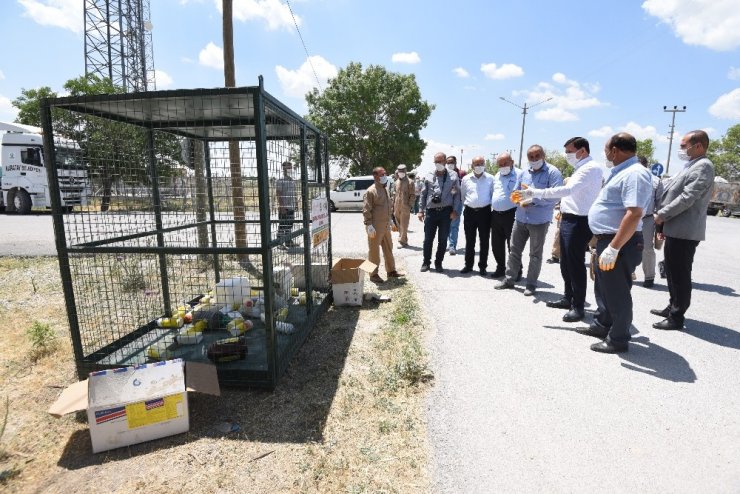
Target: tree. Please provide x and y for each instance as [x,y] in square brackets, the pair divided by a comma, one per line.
[725,154]
[645,148]
[556,159]
[28,104]
[372,117]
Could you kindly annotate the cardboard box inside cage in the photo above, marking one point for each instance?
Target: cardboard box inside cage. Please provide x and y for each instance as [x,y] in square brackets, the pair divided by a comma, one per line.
[131,405]
[347,278]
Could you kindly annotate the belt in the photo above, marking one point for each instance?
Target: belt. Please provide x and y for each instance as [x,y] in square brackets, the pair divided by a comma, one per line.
[440,208]
[603,236]
[503,212]
[647,216]
[571,215]
[488,206]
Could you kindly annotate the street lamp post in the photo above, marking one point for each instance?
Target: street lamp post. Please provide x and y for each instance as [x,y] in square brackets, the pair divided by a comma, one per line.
[524,118]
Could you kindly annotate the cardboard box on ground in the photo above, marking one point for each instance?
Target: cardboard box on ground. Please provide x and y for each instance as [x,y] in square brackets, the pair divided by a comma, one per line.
[347,278]
[135,404]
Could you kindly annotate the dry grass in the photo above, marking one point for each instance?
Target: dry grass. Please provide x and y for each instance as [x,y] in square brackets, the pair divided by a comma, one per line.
[346,417]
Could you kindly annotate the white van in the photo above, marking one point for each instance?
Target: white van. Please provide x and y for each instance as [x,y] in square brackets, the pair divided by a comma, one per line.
[350,194]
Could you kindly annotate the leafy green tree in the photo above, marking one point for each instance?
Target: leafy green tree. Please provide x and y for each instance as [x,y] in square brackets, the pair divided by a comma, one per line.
[646,148]
[372,117]
[28,104]
[557,159]
[725,154]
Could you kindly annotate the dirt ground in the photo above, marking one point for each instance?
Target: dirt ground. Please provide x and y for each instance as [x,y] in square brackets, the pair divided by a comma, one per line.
[346,417]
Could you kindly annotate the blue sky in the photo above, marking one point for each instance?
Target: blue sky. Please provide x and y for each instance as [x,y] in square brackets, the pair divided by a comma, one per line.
[608,66]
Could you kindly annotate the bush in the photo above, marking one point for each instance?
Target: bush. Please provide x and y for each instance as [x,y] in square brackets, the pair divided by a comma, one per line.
[43,340]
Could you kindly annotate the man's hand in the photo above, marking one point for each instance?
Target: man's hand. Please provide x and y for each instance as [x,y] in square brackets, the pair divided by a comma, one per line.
[371,231]
[608,258]
[658,219]
[526,194]
[660,235]
[420,216]
[453,215]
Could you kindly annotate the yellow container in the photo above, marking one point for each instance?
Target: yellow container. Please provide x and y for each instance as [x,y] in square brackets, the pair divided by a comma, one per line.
[170,322]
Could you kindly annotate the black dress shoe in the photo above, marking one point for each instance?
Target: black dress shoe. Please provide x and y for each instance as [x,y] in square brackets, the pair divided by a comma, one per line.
[466,269]
[563,303]
[648,283]
[596,330]
[424,268]
[498,273]
[609,347]
[553,260]
[483,272]
[438,268]
[661,312]
[573,315]
[668,325]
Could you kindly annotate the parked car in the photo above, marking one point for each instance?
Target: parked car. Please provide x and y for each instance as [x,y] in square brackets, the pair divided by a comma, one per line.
[350,194]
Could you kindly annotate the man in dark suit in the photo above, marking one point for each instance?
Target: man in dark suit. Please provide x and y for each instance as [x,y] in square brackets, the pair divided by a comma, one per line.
[682,215]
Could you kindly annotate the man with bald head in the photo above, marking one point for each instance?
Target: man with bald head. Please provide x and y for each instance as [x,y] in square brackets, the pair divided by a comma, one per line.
[477,189]
[502,211]
[615,219]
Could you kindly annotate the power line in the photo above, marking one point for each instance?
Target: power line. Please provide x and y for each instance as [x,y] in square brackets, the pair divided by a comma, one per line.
[308,56]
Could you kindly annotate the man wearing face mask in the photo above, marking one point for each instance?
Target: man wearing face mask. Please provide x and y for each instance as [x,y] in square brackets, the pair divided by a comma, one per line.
[287,202]
[476,192]
[502,211]
[376,212]
[682,215]
[440,201]
[451,164]
[577,196]
[532,219]
[616,220]
[403,202]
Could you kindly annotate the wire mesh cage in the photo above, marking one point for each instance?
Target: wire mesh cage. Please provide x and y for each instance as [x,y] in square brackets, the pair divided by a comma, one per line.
[205,234]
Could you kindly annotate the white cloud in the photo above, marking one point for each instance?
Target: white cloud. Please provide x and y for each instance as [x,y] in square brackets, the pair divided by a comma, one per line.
[506,71]
[460,72]
[212,56]
[714,24]
[494,137]
[565,97]
[297,83]
[734,74]
[406,57]
[7,111]
[163,79]
[727,106]
[66,14]
[275,13]
[639,131]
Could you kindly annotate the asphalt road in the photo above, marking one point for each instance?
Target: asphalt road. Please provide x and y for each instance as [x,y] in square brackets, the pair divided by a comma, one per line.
[521,404]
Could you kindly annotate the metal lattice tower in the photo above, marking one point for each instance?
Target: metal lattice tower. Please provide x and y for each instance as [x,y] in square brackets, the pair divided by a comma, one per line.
[118,43]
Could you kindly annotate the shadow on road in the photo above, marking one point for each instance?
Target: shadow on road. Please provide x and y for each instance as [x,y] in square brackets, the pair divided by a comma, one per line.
[718,335]
[719,289]
[648,358]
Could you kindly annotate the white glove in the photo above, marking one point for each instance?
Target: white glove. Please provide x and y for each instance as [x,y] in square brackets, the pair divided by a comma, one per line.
[371,231]
[526,194]
[608,258]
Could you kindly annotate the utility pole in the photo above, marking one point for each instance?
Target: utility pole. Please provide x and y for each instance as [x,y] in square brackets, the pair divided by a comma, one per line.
[675,110]
[524,118]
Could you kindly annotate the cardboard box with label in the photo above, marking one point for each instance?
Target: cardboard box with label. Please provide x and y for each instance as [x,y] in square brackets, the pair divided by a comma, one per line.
[347,278]
[136,404]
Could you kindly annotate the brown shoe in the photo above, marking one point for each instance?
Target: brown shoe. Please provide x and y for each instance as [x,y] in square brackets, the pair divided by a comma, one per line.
[376,279]
[395,274]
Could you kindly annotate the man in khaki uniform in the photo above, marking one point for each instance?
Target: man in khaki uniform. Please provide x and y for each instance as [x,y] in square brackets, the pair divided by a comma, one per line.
[376,212]
[403,201]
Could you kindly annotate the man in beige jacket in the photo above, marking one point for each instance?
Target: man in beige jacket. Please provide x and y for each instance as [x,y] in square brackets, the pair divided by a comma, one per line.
[376,213]
[403,201]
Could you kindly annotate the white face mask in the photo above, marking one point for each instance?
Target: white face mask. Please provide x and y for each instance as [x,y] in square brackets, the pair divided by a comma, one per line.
[683,155]
[505,170]
[384,179]
[609,163]
[439,166]
[451,167]
[479,169]
[571,158]
[401,175]
[536,165]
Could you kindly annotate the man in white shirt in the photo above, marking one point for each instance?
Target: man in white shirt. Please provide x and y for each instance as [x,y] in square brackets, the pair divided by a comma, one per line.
[577,196]
[477,190]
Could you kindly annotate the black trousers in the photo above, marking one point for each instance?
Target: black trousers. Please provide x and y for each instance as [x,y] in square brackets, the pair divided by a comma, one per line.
[436,221]
[679,260]
[285,225]
[613,288]
[502,223]
[574,237]
[477,223]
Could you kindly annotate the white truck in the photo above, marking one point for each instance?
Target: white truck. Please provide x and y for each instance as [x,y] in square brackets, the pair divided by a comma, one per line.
[23,179]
